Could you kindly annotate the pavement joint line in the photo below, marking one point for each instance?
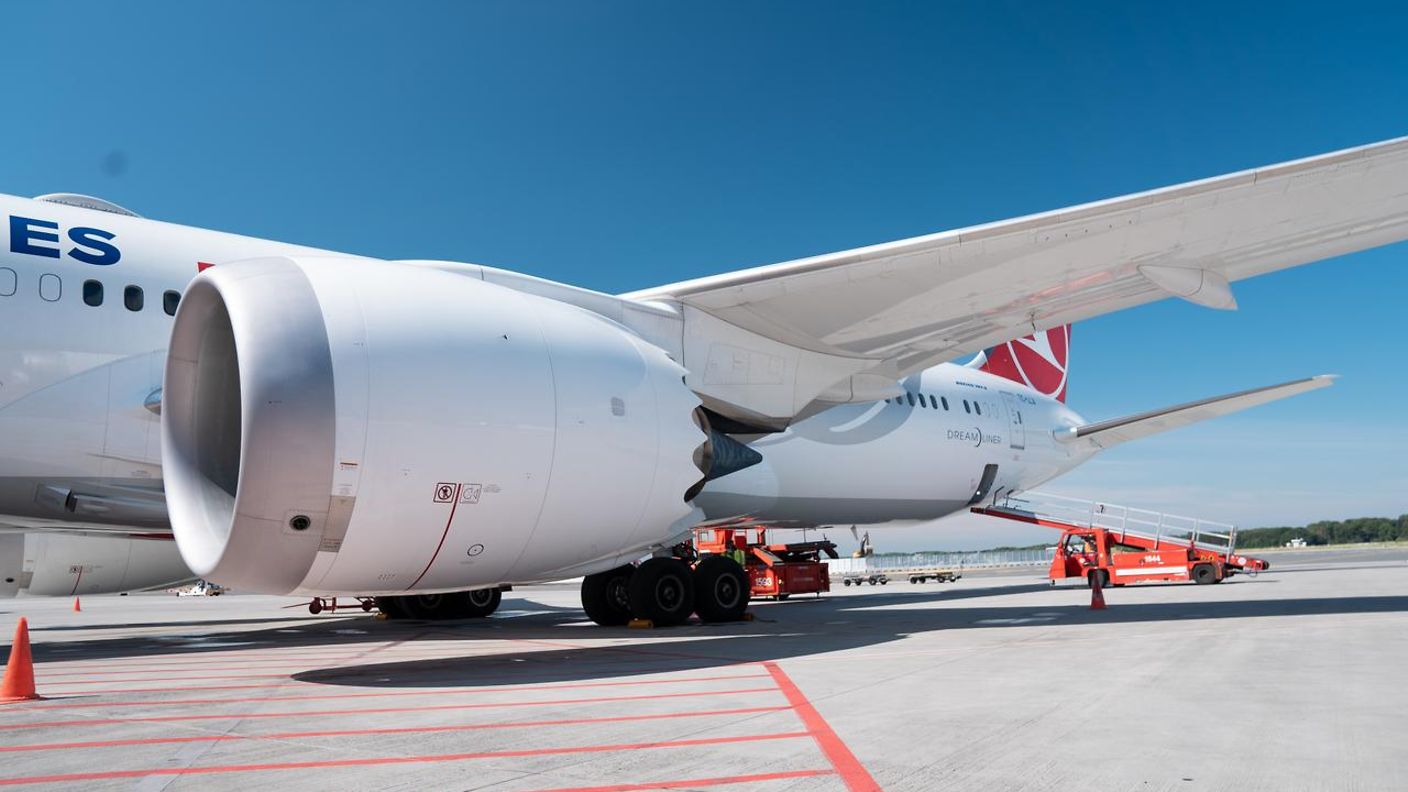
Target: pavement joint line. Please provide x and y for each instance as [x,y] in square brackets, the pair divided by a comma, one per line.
[695,783]
[374,711]
[445,691]
[223,737]
[394,760]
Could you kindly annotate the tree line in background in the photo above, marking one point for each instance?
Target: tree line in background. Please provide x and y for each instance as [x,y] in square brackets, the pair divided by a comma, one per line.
[1360,529]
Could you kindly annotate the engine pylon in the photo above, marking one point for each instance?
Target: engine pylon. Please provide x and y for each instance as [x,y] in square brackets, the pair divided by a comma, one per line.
[18,684]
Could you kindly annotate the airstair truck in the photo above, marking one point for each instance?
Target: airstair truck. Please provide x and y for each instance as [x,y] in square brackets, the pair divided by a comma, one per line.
[1125,545]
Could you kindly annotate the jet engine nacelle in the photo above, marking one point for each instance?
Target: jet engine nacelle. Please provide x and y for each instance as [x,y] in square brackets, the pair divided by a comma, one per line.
[337,425]
[62,565]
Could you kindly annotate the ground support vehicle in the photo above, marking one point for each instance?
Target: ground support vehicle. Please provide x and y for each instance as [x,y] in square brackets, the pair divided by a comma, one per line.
[937,575]
[874,579]
[1123,545]
[912,575]
[776,570]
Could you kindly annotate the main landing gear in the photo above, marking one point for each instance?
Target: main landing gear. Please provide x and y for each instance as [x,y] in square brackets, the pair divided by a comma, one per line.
[455,605]
[665,591]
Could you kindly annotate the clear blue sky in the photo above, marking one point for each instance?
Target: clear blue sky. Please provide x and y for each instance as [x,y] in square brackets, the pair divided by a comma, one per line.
[618,145]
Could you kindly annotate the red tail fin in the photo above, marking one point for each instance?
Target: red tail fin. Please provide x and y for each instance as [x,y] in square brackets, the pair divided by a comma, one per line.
[1038,361]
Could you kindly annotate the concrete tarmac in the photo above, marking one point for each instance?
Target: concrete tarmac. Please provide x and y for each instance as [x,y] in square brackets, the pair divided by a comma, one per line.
[1290,680]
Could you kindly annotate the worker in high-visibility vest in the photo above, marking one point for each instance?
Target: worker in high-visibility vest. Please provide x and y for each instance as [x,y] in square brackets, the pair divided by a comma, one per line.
[740,552]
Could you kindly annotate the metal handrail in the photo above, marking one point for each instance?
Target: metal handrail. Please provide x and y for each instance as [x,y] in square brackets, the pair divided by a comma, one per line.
[1160,527]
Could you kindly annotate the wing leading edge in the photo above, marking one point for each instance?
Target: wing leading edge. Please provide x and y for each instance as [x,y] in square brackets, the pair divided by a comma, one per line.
[883,312]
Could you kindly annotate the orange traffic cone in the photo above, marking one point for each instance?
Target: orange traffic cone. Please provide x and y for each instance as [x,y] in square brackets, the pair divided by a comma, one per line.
[1097,592]
[76,607]
[19,670]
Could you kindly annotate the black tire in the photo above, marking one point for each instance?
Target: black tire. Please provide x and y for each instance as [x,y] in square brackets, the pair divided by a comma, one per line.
[605,596]
[1204,574]
[315,607]
[721,590]
[781,597]
[436,607]
[662,590]
[1104,578]
[482,602]
[392,607]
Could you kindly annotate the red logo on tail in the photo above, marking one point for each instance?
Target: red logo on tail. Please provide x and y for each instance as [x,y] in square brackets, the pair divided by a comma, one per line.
[1037,361]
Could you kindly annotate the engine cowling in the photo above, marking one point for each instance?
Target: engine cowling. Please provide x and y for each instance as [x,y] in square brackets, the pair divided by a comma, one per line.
[348,425]
[61,565]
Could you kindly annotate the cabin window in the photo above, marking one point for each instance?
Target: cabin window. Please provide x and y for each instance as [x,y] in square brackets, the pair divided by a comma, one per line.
[966,408]
[8,282]
[978,408]
[910,396]
[944,399]
[169,301]
[93,293]
[132,298]
[50,287]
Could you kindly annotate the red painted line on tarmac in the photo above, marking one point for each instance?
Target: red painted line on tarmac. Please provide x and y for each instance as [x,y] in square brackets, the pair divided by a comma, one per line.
[851,771]
[455,504]
[374,711]
[382,694]
[388,730]
[694,783]
[67,683]
[643,670]
[392,760]
[222,663]
[93,676]
[115,691]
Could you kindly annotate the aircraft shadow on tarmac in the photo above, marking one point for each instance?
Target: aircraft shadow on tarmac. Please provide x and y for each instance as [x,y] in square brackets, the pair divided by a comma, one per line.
[550,644]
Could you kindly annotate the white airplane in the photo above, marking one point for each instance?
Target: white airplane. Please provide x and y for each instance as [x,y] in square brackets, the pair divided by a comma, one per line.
[430,432]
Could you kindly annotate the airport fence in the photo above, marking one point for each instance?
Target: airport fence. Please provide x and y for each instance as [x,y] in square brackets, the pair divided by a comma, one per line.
[979,559]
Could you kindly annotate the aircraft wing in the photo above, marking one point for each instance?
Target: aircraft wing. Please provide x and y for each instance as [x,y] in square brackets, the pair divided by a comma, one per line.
[1105,434]
[878,313]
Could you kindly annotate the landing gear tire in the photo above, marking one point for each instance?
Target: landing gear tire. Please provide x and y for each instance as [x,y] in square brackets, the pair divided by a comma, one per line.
[721,590]
[435,607]
[662,590]
[391,606]
[1204,574]
[605,596]
[481,602]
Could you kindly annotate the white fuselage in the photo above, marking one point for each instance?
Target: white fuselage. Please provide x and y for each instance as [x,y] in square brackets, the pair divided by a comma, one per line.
[80,380]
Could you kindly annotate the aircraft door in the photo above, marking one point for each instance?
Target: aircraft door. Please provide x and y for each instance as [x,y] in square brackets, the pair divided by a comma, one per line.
[1016,422]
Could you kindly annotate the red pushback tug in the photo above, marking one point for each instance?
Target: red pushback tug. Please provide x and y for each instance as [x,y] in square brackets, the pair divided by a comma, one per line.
[774,570]
[1124,545]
